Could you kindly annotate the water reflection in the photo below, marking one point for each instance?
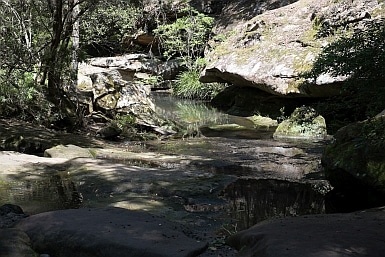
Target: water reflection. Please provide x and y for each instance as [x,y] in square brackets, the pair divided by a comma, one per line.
[252,201]
[191,113]
[52,192]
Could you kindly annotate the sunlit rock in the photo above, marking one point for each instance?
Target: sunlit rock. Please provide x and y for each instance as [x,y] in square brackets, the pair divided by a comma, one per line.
[68,152]
[304,123]
[271,51]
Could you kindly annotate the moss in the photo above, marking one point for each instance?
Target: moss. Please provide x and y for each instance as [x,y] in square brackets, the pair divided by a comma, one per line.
[376,169]
[303,123]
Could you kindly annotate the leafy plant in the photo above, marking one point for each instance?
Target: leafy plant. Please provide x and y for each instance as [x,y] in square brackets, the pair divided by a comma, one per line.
[359,55]
[374,129]
[189,86]
[186,37]
[103,29]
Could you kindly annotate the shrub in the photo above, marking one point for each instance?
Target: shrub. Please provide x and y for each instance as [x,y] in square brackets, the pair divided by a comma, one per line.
[186,37]
[189,86]
[21,97]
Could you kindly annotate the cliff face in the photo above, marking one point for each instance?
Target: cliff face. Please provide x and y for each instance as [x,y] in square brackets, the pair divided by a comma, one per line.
[230,13]
[270,48]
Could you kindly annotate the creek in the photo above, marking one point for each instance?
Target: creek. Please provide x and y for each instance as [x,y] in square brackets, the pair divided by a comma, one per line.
[240,179]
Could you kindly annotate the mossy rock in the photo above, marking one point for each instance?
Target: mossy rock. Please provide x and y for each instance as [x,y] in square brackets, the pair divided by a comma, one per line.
[69,152]
[304,123]
[355,162]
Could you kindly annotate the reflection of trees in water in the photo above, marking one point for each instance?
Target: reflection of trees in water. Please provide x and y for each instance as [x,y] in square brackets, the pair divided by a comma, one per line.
[50,193]
[67,192]
[190,113]
[255,200]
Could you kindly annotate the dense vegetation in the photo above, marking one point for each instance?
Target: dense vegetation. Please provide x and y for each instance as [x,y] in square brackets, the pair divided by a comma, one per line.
[42,42]
[360,58]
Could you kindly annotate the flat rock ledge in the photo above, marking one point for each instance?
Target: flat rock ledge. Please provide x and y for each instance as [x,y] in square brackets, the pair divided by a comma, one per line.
[106,232]
[330,235]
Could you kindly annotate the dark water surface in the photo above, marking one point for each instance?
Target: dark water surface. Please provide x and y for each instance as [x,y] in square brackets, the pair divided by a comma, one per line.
[252,200]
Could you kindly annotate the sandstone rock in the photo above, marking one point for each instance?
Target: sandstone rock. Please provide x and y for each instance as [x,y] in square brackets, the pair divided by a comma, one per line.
[330,235]
[68,152]
[108,232]
[253,127]
[109,132]
[118,85]
[303,123]
[271,51]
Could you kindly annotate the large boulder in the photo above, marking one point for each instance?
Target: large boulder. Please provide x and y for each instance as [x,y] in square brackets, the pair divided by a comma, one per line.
[68,152]
[119,85]
[272,50]
[330,235]
[108,232]
[355,163]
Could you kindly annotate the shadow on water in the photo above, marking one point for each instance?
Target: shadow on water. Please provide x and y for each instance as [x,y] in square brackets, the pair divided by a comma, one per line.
[247,201]
[252,200]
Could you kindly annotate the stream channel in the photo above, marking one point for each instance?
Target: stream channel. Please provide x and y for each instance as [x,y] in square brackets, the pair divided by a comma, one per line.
[239,178]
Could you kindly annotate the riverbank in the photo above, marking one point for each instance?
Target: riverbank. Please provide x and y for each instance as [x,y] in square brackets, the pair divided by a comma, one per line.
[192,182]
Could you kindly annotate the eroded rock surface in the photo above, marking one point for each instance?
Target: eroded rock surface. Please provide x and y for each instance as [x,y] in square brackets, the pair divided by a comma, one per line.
[272,50]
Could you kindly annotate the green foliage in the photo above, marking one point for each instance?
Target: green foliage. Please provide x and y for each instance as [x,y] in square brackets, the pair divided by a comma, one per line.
[189,86]
[360,55]
[187,36]
[36,57]
[374,129]
[104,28]
[123,121]
[22,98]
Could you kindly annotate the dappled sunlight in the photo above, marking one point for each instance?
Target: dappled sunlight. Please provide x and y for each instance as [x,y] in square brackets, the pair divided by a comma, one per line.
[140,204]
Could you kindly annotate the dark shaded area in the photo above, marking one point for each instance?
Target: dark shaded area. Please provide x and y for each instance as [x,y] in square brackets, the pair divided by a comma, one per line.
[342,235]
[360,57]
[30,138]
[247,101]
[252,201]
[350,194]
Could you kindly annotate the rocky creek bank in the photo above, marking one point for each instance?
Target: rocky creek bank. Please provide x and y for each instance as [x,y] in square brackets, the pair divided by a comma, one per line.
[162,198]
